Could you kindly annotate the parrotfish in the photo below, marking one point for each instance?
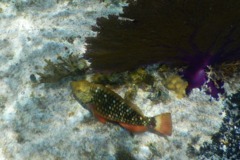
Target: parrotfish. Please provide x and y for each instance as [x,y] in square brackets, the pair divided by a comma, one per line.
[106,105]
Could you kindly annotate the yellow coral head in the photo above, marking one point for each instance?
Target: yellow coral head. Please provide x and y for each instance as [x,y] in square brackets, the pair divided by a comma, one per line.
[81,91]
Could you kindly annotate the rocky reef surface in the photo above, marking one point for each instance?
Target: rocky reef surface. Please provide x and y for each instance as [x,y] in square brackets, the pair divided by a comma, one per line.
[44,121]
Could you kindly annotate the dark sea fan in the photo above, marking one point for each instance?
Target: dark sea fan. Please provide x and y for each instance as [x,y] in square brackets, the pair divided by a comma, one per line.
[193,33]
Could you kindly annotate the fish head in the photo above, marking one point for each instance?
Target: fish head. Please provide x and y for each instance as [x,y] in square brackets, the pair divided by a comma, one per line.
[82,91]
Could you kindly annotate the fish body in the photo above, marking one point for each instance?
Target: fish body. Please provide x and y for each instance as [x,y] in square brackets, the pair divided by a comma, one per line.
[106,105]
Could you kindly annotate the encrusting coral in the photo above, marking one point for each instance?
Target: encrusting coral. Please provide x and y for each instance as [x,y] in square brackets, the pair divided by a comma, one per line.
[110,79]
[177,85]
[141,76]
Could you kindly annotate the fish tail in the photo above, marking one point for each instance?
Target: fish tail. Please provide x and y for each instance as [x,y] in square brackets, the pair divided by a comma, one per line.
[163,124]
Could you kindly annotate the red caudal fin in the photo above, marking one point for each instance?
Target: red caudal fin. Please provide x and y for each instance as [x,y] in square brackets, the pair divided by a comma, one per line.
[133,128]
[164,124]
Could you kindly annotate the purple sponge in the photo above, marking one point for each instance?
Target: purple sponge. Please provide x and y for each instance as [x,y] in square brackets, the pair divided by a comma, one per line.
[196,74]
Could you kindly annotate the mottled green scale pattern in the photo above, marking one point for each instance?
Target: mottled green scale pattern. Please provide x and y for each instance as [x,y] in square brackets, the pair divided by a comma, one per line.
[115,108]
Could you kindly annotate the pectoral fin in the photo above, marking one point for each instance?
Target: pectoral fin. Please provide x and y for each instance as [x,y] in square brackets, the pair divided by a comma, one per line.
[100,118]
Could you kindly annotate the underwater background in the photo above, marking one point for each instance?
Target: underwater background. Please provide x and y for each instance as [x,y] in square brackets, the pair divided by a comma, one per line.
[164,56]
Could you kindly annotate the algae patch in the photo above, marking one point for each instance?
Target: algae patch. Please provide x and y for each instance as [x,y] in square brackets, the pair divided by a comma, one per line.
[65,67]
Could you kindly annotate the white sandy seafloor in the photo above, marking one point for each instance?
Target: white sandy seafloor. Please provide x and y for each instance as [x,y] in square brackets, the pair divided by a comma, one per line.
[41,122]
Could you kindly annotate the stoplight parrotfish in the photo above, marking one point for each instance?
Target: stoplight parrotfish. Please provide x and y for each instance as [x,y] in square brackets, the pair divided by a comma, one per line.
[106,105]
